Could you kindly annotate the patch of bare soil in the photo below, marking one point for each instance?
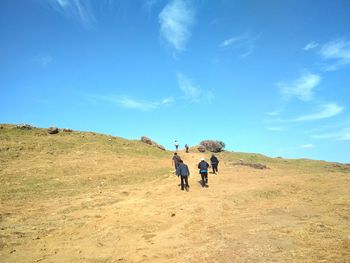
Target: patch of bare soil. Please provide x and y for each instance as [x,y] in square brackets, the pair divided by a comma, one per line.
[246,215]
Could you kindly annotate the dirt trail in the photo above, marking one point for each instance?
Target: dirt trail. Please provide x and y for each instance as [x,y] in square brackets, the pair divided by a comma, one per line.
[245,215]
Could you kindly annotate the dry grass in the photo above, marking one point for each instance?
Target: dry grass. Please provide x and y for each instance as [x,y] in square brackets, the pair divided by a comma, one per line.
[85,197]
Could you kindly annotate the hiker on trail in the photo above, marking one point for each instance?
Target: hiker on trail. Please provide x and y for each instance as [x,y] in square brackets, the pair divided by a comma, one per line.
[214,163]
[203,170]
[184,173]
[186,147]
[176,143]
[176,159]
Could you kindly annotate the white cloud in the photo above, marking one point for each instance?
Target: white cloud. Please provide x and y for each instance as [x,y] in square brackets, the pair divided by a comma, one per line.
[176,20]
[80,10]
[245,43]
[277,129]
[336,51]
[191,92]
[44,60]
[340,135]
[311,45]
[302,88]
[129,103]
[327,111]
[306,146]
[233,40]
[274,113]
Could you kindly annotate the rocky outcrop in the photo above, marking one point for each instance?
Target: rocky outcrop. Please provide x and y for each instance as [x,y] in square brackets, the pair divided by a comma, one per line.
[253,165]
[201,148]
[52,130]
[148,141]
[24,126]
[213,145]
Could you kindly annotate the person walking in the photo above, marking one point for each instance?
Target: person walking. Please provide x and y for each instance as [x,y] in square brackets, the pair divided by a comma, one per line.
[176,143]
[214,163]
[183,172]
[203,170]
[186,147]
[176,159]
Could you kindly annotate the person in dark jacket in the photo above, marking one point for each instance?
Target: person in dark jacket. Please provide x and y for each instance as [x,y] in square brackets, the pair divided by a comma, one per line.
[187,147]
[176,159]
[203,170]
[184,173]
[214,163]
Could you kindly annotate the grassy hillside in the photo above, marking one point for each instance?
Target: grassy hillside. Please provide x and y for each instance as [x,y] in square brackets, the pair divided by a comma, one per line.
[36,164]
[87,197]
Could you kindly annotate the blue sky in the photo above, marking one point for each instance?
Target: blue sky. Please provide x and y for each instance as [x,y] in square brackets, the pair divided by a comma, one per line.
[271,77]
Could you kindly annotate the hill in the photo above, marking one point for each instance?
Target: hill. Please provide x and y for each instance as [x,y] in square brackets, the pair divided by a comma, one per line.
[87,197]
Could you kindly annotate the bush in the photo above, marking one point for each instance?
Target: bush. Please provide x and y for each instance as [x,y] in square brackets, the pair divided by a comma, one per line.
[213,145]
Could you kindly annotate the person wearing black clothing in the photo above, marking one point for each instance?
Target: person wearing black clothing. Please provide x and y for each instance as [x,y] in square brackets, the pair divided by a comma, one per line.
[186,147]
[176,159]
[214,163]
[203,170]
[184,173]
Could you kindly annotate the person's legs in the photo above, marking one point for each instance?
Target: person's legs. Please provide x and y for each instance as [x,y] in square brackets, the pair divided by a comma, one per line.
[206,179]
[203,179]
[182,182]
[186,181]
[215,168]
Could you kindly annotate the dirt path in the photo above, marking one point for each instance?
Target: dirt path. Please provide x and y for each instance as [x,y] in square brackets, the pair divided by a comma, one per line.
[246,215]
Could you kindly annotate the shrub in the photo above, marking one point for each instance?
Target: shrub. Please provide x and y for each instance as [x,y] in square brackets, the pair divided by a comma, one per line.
[213,145]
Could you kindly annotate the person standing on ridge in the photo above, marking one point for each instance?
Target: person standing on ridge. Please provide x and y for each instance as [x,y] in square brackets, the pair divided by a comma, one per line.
[176,143]
[214,163]
[203,170]
[176,159]
[186,147]
[183,172]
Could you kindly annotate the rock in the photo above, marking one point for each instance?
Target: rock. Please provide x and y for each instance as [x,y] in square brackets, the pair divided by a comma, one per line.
[147,140]
[67,130]
[24,126]
[173,214]
[52,130]
[213,145]
[201,148]
[258,166]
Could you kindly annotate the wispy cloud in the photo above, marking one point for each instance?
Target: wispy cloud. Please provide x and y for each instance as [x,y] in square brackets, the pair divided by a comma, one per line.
[276,129]
[130,103]
[326,111]
[192,92]
[339,135]
[245,43]
[77,9]
[44,60]
[306,146]
[337,52]
[148,5]
[274,113]
[176,21]
[302,88]
[311,45]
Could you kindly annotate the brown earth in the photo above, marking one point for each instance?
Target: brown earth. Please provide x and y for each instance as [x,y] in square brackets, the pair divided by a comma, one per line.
[290,212]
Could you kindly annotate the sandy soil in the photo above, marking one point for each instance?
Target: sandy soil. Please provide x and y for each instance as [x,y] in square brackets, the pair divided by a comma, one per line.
[246,215]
